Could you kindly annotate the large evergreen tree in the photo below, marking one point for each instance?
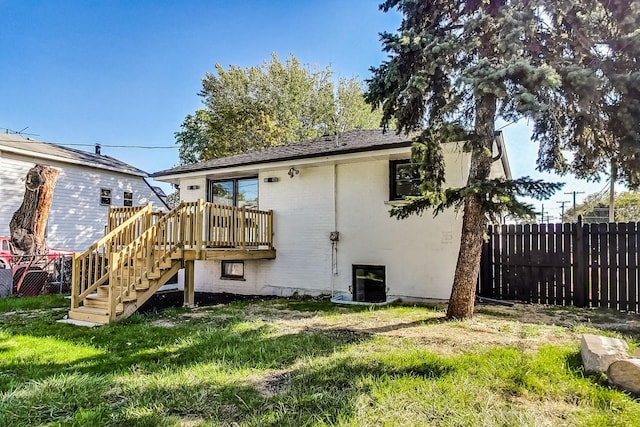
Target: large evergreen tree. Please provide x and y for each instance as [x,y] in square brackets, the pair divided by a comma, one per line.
[457,66]
[279,102]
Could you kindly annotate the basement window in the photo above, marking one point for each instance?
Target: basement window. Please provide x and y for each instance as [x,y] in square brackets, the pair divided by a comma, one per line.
[128,198]
[404,179]
[232,270]
[105,196]
[369,283]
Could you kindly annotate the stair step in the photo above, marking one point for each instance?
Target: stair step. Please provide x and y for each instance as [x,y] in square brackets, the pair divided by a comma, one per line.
[90,314]
[103,292]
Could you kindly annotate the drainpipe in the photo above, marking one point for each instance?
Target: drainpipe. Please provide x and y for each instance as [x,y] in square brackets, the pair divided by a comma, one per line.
[334,235]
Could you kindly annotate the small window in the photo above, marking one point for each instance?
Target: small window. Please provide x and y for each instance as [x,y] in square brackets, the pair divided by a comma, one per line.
[105,196]
[5,245]
[128,198]
[404,179]
[233,269]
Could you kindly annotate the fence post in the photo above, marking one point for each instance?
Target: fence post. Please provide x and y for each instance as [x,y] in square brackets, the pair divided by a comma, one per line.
[580,284]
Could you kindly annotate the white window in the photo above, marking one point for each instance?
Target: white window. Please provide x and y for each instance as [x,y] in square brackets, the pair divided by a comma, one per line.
[232,269]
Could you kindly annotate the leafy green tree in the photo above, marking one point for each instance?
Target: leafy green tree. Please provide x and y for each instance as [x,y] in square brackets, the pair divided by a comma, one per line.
[252,108]
[595,208]
[455,67]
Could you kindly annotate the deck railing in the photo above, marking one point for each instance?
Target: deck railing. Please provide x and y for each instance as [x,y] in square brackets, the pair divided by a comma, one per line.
[137,246]
[91,267]
[118,215]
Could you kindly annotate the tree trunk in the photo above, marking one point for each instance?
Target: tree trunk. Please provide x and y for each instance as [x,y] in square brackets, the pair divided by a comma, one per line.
[29,222]
[474,222]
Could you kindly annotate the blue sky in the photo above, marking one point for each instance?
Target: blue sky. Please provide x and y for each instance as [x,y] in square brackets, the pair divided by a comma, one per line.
[127,72]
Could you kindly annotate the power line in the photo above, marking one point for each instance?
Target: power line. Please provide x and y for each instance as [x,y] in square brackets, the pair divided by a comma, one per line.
[30,141]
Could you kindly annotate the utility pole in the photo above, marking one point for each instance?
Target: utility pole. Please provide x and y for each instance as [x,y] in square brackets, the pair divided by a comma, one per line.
[562,203]
[574,199]
[542,214]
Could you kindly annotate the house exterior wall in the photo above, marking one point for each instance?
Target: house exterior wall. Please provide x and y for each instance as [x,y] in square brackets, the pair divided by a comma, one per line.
[352,197]
[76,218]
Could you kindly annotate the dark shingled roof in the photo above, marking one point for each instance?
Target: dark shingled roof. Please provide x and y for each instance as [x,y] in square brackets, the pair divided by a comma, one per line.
[13,143]
[353,141]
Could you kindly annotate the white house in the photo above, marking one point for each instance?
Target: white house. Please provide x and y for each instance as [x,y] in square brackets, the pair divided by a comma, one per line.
[88,183]
[331,226]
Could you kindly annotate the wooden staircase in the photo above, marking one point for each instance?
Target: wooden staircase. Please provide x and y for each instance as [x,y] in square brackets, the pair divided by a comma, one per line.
[143,250]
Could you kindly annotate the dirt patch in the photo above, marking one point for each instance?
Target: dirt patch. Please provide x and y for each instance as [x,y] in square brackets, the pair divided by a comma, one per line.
[272,383]
[163,323]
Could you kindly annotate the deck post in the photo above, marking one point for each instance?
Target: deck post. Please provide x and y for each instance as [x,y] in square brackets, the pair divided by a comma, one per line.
[199,227]
[270,229]
[113,267]
[189,288]
[75,280]
[243,225]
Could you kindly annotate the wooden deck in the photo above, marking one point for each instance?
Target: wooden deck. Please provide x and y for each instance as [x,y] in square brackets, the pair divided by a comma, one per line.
[143,249]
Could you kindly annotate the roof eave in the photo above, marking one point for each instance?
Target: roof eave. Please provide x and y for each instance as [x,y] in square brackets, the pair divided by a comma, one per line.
[167,173]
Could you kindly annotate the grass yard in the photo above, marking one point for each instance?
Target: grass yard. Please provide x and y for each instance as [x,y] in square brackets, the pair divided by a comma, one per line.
[305,362]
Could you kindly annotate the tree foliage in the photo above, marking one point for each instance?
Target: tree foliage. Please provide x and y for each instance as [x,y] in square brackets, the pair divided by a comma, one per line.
[455,67]
[276,103]
[595,208]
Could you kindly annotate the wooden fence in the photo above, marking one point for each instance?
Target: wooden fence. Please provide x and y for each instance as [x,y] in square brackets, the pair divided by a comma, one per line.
[586,265]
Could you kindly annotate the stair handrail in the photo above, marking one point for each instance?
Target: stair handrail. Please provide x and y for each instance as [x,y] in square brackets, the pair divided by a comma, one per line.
[99,269]
[147,244]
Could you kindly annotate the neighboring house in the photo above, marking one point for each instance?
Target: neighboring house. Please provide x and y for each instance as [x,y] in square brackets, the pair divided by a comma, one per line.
[332,231]
[88,183]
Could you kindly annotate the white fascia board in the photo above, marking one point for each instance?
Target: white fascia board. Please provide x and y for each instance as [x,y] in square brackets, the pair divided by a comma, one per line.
[391,153]
[36,155]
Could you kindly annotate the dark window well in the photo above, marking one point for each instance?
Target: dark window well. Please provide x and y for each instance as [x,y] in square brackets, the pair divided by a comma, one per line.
[369,283]
[404,179]
[105,196]
[232,270]
[128,198]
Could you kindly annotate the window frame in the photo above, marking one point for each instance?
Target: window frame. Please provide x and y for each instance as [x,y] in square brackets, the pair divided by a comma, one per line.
[234,182]
[103,197]
[393,194]
[225,276]
[126,199]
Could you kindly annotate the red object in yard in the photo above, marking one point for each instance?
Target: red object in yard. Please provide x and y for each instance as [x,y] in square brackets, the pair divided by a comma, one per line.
[28,280]
[7,259]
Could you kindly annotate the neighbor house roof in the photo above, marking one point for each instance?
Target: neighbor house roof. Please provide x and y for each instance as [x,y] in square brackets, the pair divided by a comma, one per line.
[16,144]
[353,141]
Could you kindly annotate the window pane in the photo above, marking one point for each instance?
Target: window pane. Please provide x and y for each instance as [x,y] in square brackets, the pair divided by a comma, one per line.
[128,198]
[248,193]
[406,180]
[105,196]
[232,269]
[221,192]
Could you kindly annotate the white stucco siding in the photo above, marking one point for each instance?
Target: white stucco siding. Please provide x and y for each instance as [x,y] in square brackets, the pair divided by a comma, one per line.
[193,189]
[76,218]
[418,253]
[303,219]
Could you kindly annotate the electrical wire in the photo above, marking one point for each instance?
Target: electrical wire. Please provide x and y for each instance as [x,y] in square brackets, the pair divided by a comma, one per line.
[153,147]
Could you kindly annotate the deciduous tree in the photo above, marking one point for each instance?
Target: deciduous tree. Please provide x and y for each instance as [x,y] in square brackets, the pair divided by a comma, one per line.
[252,108]
[456,67]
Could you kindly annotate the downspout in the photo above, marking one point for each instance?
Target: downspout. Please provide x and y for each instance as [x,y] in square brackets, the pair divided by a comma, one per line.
[334,241]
